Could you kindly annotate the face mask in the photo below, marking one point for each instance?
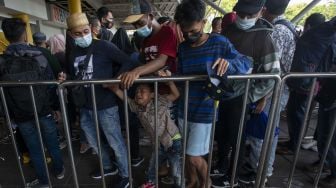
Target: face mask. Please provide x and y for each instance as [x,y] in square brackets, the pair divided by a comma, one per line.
[144,31]
[85,41]
[245,24]
[193,37]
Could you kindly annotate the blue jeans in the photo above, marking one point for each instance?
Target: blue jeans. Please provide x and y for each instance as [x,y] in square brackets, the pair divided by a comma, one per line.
[49,134]
[109,125]
[297,105]
[326,118]
[173,155]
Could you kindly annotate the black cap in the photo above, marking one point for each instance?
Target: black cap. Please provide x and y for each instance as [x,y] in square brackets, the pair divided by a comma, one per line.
[249,6]
[139,8]
[39,37]
[276,7]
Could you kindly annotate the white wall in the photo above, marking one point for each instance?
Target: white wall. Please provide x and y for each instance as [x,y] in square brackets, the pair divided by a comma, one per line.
[35,8]
[51,30]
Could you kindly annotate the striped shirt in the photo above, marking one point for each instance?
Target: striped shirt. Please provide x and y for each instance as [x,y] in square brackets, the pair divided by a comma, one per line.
[198,61]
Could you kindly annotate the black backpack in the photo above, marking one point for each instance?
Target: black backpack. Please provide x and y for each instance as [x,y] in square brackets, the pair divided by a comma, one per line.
[18,98]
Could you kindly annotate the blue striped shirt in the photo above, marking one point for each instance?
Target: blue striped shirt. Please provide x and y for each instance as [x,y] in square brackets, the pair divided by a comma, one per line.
[198,61]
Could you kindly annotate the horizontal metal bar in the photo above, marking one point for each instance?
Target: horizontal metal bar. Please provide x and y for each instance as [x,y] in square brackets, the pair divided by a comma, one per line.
[32,83]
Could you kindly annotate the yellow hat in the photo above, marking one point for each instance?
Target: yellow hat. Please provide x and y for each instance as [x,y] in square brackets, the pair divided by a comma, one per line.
[133,18]
[76,20]
[140,8]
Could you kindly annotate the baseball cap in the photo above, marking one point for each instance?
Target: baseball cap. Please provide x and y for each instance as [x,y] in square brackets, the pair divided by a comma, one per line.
[140,8]
[249,6]
[39,37]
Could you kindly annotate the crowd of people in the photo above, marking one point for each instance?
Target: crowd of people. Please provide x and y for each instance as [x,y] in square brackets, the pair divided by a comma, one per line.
[255,38]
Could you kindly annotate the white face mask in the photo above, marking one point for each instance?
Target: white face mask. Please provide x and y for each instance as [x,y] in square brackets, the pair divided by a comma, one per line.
[245,24]
[84,42]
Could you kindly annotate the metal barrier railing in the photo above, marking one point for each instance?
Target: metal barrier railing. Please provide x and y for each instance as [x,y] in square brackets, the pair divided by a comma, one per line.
[265,153]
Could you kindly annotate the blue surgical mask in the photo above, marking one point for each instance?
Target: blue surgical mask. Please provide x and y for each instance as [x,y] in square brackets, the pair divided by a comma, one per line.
[245,24]
[84,42]
[144,31]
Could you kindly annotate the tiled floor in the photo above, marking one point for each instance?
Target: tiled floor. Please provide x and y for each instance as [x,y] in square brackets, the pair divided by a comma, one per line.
[85,163]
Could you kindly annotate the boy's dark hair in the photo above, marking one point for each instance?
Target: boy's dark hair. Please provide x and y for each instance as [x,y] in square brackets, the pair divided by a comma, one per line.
[276,7]
[315,19]
[148,85]
[163,19]
[13,29]
[190,11]
[215,20]
[93,21]
[102,12]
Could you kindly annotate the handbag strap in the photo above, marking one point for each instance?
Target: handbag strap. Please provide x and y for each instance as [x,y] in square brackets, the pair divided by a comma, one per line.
[83,67]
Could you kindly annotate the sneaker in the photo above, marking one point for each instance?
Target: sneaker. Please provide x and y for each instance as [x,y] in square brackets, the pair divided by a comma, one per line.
[309,144]
[216,172]
[222,182]
[148,184]
[60,175]
[247,178]
[36,184]
[124,183]
[137,161]
[107,172]
[84,148]
[168,180]
[63,144]
[329,182]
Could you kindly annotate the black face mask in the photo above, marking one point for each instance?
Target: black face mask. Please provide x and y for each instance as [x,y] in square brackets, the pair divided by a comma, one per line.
[193,37]
[107,24]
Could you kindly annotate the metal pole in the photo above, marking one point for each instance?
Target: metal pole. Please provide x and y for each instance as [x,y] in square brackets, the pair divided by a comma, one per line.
[302,133]
[185,130]
[95,116]
[39,132]
[214,6]
[9,123]
[240,133]
[325,152]
[311,5]
[156,134]
[216,103]
[269,135]
[128,139]
[67,134]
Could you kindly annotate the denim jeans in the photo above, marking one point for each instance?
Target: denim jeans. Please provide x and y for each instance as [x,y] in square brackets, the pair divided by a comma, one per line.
[326,119]
[109,124]
[297,104]
[49,134]
[173,155]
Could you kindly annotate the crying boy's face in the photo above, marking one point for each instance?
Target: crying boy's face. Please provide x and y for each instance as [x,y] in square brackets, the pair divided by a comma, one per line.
[143,95]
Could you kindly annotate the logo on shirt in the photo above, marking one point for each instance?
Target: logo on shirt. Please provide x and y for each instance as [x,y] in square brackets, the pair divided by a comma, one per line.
[151,53]
[89,70]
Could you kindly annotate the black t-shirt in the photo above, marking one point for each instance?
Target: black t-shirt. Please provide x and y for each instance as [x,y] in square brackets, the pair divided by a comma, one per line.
[102,65]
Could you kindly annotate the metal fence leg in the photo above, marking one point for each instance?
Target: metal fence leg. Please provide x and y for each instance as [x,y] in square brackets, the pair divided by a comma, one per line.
[212,136]
[240,134]
[156,135]
[128,139]
[325,152]
[185,130]
[37,122]
[67,134]
[302,133]
[95,116]
[9,123]
[269,135]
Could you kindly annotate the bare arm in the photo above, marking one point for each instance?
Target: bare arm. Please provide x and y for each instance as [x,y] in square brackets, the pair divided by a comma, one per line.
[116,90]
[128,78]
[174,92]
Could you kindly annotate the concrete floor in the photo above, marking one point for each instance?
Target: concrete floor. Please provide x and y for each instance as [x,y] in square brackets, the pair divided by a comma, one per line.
[85,163]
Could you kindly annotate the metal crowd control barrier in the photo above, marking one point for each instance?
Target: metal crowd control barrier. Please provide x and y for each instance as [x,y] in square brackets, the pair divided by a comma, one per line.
[264,157]
[261,177]
[30,85]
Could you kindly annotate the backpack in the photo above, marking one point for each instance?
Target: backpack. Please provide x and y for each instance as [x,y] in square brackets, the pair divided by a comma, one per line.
[290,26]
[327,94]
[22,69]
